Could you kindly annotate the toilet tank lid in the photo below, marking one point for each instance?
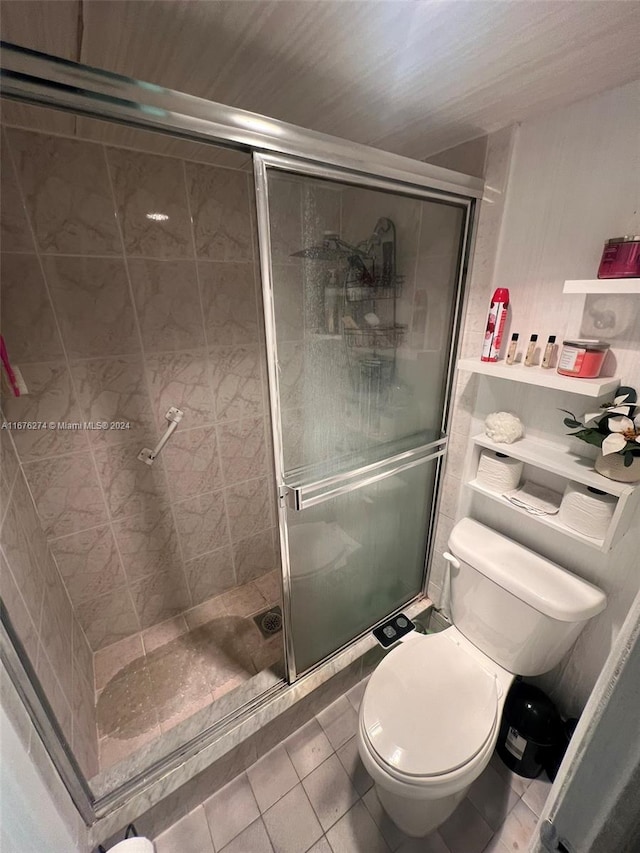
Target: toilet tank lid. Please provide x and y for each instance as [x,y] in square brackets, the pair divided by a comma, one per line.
[543,585]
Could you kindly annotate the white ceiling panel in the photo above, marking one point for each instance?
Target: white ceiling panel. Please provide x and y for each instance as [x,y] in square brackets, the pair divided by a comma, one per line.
[410,77]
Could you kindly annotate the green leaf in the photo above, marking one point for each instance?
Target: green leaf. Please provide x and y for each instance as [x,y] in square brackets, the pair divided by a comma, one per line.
[572,424]
[630,393]
[628,460]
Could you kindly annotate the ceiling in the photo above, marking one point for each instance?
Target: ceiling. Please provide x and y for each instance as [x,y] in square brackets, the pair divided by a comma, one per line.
[414,77]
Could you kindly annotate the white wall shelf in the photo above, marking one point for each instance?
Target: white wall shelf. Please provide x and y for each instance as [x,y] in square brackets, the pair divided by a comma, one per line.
[602,285]
[541,377]
[558,460]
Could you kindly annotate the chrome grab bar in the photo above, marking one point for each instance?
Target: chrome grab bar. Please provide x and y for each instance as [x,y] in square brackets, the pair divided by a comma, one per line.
[174,416]
[299,497]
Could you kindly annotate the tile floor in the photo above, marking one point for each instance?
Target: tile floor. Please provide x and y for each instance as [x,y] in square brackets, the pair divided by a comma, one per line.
[148,683]
[311,794]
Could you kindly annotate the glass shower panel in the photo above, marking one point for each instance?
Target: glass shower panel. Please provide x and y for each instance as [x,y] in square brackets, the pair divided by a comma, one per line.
[355,558]
[364,288]
[364,284]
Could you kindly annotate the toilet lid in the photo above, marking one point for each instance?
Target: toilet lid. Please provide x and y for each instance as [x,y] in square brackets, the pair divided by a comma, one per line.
[429,707]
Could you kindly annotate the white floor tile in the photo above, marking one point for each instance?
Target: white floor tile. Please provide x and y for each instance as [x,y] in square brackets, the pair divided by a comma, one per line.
[536,794]
[392,835]
[321,846]
[291,823]
[356,832]
[517,830]
[230,810]
[330,791]
[308,747]
[188,835]
[350,758]
[433,843]
[496,846]
[518,783]
[254,839]
[339,721]
[271,777]
[356,693]
[465,831]
[492,795]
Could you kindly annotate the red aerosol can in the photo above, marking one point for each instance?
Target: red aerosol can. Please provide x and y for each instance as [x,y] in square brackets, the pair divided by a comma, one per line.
[495,324]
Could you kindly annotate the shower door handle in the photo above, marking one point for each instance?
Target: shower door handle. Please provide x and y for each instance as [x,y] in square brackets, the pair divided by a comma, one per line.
[299,497]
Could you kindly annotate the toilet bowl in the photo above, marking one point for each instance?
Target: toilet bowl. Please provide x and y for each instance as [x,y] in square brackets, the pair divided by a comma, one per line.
[431,712]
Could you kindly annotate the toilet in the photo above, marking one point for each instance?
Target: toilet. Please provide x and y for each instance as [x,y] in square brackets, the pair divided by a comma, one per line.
[431,711]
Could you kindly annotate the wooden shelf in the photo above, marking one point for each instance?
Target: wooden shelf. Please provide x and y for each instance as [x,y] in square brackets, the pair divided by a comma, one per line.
[541,377]
[557,459]
[602,285]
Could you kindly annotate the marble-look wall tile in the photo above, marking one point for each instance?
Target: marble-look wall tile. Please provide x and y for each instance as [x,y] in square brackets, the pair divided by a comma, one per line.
[243,450]
[67,493]
[60,703]
[19,555]
[249,508]
[210,574]
[191,462]
[202,524]
[15,234]
[285,217]
[229,302]
[183,380]
[107,619]
[237,381]
[288,293]
[146,184]
[67,193]
[28,322]
[130,486]
[81,651]
[21,620]
[89,563]
[30,521]
[114,390]
[220,209]
[50,398]
[56,631]
[168,304]
[93,306]
[255,556]
[160,596]
[148,543]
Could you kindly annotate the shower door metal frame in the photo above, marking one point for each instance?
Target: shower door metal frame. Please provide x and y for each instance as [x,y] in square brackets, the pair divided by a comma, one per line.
[35,78]
[357,477]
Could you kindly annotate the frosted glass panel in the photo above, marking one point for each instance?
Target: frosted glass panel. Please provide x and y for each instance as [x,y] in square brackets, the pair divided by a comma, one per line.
[356,558]
[364,286]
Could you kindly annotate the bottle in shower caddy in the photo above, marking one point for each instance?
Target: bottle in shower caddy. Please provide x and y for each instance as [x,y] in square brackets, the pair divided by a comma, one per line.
[496,320]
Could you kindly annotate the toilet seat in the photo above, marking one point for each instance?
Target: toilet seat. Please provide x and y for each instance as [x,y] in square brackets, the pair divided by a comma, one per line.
[429,709]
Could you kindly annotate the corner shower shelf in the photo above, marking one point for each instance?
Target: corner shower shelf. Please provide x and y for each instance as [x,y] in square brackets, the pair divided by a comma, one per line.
[559,461]
[541,377]
[602,285]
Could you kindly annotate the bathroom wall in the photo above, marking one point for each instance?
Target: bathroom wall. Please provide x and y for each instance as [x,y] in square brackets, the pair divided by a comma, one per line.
[574,181]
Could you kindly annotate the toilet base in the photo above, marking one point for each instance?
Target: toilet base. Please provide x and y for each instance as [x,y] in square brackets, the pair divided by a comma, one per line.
[418,818]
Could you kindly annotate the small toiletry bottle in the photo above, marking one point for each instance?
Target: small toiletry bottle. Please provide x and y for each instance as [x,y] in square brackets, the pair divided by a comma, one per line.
[528,359]
[549,357]
[511,352]
[495,324]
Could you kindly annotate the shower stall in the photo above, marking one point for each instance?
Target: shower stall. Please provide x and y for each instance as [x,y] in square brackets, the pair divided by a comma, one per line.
[227,352]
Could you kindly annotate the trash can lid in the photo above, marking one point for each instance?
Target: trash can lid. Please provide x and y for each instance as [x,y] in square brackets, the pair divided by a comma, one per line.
[529,710]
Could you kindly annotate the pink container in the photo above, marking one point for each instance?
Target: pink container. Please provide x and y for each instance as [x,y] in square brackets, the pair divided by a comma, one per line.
[582,358]
[620,258]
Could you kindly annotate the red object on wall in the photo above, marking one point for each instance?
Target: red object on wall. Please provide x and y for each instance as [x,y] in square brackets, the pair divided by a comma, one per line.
[620,258]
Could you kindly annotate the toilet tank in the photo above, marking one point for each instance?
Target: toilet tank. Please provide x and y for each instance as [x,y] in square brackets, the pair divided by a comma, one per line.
[522,611]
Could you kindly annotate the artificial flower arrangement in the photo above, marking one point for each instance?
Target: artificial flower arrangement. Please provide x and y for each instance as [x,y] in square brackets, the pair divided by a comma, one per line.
[615,428]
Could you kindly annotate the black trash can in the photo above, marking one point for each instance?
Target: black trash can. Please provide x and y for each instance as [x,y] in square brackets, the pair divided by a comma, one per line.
[530,731]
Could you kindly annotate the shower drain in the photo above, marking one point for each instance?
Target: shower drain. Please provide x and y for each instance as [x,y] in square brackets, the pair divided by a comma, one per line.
[269,621]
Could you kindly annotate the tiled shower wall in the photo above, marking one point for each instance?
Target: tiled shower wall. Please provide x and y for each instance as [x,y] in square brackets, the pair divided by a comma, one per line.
[115,315]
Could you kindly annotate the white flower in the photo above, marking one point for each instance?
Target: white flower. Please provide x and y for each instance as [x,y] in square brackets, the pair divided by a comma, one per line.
[622,430]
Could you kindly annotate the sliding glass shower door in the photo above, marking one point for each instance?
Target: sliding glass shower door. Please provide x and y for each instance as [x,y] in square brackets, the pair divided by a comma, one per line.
[361,288]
